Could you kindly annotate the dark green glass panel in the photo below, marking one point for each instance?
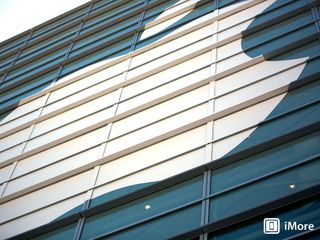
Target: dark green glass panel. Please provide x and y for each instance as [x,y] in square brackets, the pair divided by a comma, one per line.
[263,163]
[280,34]
[102,4]
[60,23]
[48,43]
[42,63]
[26,89]
[106,34]
[277,9]
[117,49]
[6,61]
[263,191]
[253,229]
[65,233]
[13,44]
[165,227]
[110,13]
[143,208]
[117,193]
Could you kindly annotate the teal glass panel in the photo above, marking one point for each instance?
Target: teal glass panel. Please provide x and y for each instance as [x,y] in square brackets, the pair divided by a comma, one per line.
[118,193]
[165,227]
[13,44]
[101,4]
[113,50]
[5,62]
[106,34]
[266,162]
[65,233]
[143,208]
[26,89]
[282,34]
[278,9]
[60,23]
[264,191]
[48,43]
[111,13]
[42,63]
[224,3]
[306,213]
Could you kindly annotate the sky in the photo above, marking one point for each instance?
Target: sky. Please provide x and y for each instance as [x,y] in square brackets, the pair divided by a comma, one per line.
[17,16]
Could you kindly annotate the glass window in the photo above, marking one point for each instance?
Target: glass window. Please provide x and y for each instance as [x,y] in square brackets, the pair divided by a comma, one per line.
[112,13]
[302,23]
[165,227]
[120,178]
[27,89]
[66,232]
[24,71]
[6,61]
[14,43]
[101,4]
[116,49]
[48,43]
[57,24]
[266,190]
[307,212]
[106,34]
[266,162]
[144,208]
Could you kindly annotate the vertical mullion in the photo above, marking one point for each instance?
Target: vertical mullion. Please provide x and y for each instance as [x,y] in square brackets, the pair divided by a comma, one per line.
[103,146]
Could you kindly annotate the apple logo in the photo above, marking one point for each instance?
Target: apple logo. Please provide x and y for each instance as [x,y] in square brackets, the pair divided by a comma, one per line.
[252,49]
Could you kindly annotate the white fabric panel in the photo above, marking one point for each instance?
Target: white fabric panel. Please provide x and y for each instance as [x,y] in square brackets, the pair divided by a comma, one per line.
[159,111]
[14,138]
[105,76]
[170,57]
[152,154]
[157,129]
[45,196]
[11,152]
[155,173]
[50,171]
[259,88]
[64,150]
[39,217]
[245,118]
[23,109]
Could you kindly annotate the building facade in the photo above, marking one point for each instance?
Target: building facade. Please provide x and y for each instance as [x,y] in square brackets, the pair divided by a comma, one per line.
[151,119]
